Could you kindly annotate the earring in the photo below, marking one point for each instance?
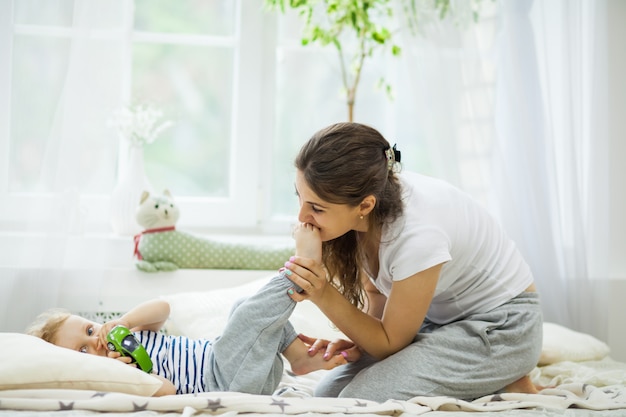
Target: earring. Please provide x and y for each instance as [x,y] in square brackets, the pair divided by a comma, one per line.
[361,217]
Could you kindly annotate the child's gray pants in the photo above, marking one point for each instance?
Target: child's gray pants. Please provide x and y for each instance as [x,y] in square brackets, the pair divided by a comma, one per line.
[466,359]
[246,357]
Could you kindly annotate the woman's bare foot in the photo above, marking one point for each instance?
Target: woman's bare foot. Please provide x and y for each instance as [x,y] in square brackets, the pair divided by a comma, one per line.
[523,385]
[302,363]
[308,241]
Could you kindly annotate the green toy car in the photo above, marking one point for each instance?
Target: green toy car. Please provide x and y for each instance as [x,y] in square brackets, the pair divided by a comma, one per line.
[122,340]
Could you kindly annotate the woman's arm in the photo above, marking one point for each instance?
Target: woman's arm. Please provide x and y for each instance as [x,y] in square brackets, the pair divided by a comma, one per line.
[400,319]
[375,300]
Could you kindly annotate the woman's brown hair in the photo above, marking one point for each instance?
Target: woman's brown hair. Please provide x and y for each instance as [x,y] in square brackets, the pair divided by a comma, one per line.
[344,163]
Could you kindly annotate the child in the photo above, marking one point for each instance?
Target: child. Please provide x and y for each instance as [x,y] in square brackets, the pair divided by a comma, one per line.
[245,358]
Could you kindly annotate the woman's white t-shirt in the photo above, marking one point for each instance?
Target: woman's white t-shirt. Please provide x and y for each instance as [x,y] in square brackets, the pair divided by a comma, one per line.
[441,224]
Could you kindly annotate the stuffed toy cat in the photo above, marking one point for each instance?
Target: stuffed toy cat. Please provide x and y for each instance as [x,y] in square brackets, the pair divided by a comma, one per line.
[160,247]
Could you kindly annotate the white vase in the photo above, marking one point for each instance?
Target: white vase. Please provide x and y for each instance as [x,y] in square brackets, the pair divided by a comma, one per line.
[127,193]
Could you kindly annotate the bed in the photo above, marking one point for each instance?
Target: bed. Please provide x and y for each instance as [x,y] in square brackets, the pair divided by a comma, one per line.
[580,377]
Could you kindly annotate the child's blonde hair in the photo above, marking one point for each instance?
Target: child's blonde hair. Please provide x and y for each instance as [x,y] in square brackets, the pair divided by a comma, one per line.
[47,324]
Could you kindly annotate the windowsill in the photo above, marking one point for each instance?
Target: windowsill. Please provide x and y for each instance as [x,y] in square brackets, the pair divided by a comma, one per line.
[91,251]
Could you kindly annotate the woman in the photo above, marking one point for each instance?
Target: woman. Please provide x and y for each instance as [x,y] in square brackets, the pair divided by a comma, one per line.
[414,272]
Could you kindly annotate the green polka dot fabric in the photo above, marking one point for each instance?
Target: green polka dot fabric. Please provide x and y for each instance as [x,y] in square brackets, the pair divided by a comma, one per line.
[170,250]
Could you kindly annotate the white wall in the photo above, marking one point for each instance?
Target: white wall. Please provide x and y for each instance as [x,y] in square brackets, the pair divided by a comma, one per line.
[616,36]
[617,315]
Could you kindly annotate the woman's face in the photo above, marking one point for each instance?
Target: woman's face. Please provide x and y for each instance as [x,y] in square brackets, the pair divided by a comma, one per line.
[333,220]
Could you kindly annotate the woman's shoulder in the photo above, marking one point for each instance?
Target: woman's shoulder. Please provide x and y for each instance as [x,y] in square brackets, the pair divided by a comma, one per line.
[414,179]
[419,190]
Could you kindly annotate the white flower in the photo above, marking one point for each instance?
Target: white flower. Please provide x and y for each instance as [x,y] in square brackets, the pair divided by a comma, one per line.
[139,123]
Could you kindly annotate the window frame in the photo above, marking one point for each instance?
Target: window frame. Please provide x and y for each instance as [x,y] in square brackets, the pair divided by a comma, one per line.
[243,210]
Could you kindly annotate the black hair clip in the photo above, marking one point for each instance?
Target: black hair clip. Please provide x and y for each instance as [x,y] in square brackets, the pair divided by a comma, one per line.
[396,153]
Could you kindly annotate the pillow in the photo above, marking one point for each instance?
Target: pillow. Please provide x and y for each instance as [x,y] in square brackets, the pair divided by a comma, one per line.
[204,314]
[28,362]
[563,344]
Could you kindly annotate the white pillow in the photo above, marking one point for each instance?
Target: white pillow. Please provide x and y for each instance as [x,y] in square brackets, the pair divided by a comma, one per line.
[563,344]
[204,314]
[28,362]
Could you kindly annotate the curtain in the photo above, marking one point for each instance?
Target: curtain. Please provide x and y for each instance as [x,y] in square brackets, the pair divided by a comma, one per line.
[513,101]
[553,154]
[511,108]
[524,161]
[62,148]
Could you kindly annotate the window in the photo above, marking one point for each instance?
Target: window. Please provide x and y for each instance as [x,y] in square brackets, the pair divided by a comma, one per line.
[233,78]
[72,63]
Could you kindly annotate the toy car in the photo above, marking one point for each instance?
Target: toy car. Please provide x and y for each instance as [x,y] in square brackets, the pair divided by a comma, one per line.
[122,340]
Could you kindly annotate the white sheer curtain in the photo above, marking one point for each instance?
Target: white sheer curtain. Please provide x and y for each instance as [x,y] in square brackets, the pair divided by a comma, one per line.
[54,253]
[526,185]
[511,109]
[512,102]
[553,156]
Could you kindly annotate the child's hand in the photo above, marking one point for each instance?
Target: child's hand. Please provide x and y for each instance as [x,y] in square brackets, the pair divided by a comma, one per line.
[106,328]
[124,359]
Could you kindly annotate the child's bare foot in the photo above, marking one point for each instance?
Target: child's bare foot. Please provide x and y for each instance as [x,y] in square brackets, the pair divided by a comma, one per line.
[305,363]
[297,353]
[308,241]
[523,385]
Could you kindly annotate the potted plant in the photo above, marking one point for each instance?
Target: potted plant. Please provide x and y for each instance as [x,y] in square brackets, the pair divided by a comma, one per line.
[356,29]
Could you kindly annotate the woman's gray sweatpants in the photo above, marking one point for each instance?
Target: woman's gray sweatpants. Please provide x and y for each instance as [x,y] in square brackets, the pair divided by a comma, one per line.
[465,359]
[246,357]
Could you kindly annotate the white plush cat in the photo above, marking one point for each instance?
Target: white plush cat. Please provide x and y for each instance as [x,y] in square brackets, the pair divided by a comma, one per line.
[160,247]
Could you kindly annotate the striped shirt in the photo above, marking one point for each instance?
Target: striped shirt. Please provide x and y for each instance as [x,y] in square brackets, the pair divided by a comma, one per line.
[178,359]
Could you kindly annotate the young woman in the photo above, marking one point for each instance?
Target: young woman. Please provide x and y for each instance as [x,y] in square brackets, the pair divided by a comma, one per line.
[414,272]
[245,358]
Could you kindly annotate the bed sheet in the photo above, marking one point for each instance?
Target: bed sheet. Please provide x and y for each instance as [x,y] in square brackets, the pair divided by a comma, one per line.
[572,396]
[507,413]
[576,389]
[590,402]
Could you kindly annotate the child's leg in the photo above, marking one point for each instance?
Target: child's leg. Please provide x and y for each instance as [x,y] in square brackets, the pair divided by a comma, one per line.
[246,357]
[309,245]
[297,352]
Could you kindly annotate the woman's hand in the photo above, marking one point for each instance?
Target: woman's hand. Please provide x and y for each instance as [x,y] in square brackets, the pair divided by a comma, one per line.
[347,349]
[309,275]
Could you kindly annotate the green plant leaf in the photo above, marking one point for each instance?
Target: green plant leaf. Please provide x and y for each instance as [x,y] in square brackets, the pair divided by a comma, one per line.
[365,25]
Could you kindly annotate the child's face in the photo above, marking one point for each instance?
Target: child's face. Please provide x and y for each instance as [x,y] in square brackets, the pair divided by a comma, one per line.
[78,333]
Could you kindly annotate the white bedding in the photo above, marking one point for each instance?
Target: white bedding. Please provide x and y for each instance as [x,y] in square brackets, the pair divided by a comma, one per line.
[592,388]
[581,386]
[292,401]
